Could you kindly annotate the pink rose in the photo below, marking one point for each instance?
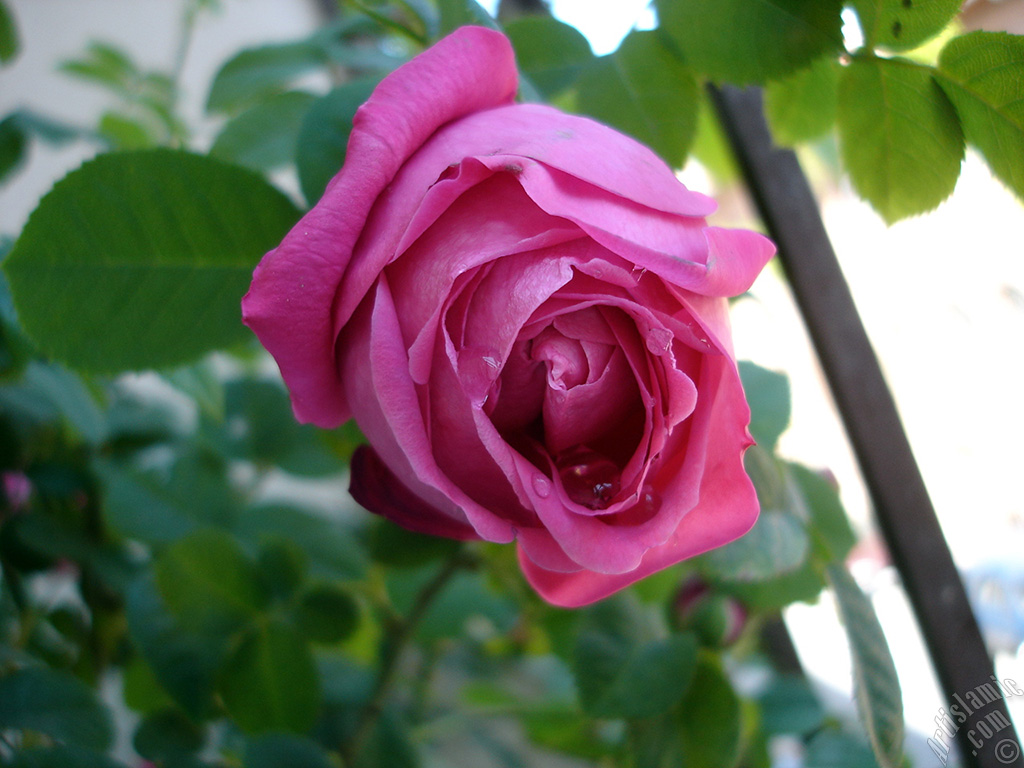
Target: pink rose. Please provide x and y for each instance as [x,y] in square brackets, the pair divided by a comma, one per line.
[523,310]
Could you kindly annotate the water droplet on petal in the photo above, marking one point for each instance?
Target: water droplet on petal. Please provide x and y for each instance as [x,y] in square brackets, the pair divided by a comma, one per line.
[542,486]
[649,502]
[589,479]
[658,340]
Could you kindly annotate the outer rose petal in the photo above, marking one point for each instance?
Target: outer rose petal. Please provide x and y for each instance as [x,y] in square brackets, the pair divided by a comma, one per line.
[289,305]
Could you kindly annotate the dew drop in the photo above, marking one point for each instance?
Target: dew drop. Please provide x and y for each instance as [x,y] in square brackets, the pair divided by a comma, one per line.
[542,486]
[649,502]
[658,340]
[589,479]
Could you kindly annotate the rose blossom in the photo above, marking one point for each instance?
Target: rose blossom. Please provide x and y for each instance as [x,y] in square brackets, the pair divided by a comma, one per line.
[524,312]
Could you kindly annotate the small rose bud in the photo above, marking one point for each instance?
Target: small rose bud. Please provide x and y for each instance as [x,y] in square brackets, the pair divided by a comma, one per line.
[717,619]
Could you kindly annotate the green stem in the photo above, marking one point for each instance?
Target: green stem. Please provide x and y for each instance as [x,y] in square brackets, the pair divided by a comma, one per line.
[398,636]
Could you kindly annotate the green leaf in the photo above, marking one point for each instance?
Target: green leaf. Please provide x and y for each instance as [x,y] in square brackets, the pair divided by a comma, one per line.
[104,65]
[71,397]
[829,523]
[56,704]
[778,543]
[8,35]
[324,135]
[332,549]
[621,674]
[838,750]
[709,722]
[899,25]
[156,508]
[399,547]
[62,757]
[260,426]
[981,73]
[789,706]
[125,133]
[183,663]
[327,613]
[140,260]
[752,41]
[283,750]
[459,13]
[804,105]
[166,736]
[876,686]
[899,136]
[269,681]
[549,52]
[643,90]
[256,73]
[13,143]
[265,136]
[208,582]
[770,404]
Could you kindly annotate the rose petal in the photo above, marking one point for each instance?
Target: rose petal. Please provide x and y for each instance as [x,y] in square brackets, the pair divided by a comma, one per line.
[376,488]
[289,305]
[374,368]
[726,509]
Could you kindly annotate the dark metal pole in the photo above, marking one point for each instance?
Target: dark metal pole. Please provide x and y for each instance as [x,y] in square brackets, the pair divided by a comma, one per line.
[903,509]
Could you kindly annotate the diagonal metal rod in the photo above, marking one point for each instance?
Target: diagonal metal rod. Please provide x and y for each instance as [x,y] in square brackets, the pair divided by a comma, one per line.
[903,509]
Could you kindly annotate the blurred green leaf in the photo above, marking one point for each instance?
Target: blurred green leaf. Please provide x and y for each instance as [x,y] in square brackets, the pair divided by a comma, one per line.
[8,35]
[751,41]
[59,756]
[140,259]
[158,508]
[166,736]
[208,582]
[829,522]
[265,136]
[804,105]
[899,136]
[770,403]
[269,682]
[125,133]
[643,90]
[777,544]
[327,613]
[711,146]
[390,745]
[13,143]
[549,52]
[619,673]
[183,662]
[252,75]
[981,73]
[282,567]
[876,685]
[324,134]
[838,750]
[142,691]
[789,706]
[103,64]
[399,547]
[72,398]
[259,426]
[467,606]
[283,750]
[56,704]
[333,550]
[459,13]
[899,25]
[709,720]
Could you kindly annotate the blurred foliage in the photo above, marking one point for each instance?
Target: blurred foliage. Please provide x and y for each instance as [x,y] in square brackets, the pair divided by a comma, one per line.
[167,581]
